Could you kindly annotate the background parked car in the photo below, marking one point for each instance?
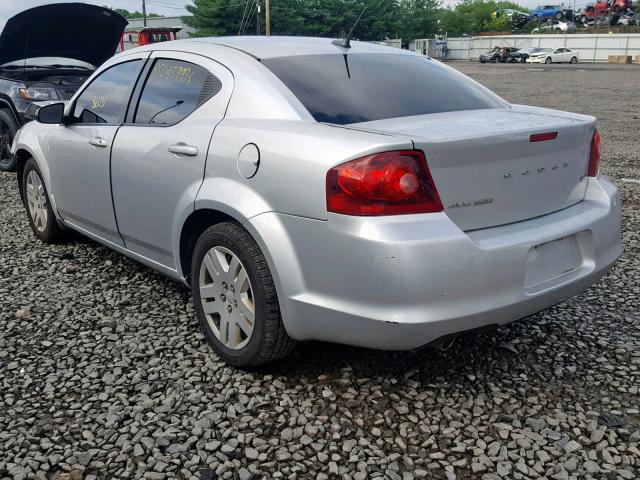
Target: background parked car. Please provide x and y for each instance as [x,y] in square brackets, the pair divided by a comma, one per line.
[497,54]
[555,26]
[557,55]
[551,11]
[522,54]
[46,53]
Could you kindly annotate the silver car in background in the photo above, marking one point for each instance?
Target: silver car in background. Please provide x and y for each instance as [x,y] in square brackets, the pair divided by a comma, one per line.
[307,191]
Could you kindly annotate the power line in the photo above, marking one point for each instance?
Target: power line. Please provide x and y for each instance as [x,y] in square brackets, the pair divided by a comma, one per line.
[249,17]
[244,14]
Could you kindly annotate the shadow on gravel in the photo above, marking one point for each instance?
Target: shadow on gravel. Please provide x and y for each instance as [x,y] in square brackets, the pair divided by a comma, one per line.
[470,354]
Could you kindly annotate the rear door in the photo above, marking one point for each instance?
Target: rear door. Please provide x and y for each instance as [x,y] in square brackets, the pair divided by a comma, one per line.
[80,150]
[159,154]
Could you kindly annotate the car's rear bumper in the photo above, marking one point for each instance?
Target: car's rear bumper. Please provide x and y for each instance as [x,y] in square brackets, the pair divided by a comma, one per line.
[404,281]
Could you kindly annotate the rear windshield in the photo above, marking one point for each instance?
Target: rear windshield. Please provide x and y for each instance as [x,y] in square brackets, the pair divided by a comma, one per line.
[363,87]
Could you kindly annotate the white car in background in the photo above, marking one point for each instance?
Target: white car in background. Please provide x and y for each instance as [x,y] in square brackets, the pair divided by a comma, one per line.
[554,55]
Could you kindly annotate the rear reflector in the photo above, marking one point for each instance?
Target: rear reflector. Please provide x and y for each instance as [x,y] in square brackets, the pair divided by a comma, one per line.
[389,183]
[594,154]
[543,137]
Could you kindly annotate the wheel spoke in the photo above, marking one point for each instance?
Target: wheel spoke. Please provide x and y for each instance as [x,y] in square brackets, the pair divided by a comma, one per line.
[235,335]
[208,291]
[245,322]
[247,309]
[37,218]
[234,264]
[224,329]
[212,262]
[242,281]
[210,307]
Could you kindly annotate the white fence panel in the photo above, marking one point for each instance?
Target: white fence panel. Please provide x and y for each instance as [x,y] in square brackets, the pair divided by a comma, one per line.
[590,47]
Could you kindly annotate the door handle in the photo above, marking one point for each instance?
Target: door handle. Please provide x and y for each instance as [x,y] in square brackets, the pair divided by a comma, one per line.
[182,148]
[98,142]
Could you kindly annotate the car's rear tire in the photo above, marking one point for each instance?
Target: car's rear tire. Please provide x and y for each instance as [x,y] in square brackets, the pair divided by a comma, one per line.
[547,60]
[36,201]
[8,129]
[231,282]
[573,60]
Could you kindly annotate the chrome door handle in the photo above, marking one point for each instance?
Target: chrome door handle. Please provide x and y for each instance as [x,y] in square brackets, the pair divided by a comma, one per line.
[98,142]
[182,148]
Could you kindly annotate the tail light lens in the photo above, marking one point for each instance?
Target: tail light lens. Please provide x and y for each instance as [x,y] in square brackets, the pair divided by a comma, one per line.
[389,183]
[594,156]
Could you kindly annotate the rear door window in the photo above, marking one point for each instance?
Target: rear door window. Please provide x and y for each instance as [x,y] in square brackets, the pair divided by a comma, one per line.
[363,87]
[173,90]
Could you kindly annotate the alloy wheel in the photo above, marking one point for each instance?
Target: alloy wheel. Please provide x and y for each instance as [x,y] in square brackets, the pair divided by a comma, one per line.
[37,201]
[227,297]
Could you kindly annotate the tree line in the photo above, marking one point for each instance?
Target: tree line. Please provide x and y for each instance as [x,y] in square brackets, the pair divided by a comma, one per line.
[383,19]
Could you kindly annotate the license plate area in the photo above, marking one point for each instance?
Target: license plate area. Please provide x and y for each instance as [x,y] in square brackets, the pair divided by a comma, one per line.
[549,264]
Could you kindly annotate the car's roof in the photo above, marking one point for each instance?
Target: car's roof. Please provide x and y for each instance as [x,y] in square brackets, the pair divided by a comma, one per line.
[276,46]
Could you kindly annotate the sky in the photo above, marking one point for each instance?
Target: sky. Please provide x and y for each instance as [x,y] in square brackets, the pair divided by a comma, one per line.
[8,8]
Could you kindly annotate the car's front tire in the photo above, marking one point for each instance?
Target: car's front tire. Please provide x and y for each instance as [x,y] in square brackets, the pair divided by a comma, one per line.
[547,60]
[235,298]
[36,201]
[8,129]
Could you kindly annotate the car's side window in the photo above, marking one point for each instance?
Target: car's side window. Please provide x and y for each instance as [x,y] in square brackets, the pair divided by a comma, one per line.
[174,89]
[104,100]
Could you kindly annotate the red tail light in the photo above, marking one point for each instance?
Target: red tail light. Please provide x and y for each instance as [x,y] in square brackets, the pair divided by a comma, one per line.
[389,183]
[594,156]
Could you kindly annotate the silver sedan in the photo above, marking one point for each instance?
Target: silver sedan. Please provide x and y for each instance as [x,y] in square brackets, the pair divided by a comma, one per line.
[309,191]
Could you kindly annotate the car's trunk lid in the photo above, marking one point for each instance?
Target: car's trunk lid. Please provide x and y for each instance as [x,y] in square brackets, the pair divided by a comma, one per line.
[487,170]
[70,30]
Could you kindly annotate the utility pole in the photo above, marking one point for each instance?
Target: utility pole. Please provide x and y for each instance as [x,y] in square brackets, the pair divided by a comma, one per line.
[267,18]
[144,13]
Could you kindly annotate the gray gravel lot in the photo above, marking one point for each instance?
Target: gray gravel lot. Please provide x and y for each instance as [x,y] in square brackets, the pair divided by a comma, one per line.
[107,376]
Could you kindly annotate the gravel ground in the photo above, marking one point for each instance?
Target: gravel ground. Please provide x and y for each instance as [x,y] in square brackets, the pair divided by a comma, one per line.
[105,374]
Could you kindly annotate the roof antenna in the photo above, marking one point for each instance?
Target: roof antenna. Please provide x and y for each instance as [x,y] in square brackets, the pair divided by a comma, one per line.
[346,43]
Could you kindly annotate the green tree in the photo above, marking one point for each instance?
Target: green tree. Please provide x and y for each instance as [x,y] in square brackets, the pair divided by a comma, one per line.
[136,14]
[324,18]
[473,16]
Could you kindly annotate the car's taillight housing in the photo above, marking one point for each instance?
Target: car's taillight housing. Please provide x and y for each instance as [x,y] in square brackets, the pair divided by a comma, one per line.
[594,155]
[388,183]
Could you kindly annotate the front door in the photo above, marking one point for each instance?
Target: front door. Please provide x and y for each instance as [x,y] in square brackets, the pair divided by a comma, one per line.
[80,151]
[159,155]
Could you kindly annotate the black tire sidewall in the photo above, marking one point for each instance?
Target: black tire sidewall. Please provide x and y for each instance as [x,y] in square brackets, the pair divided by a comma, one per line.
[214,237]
[7,119]
[51,232]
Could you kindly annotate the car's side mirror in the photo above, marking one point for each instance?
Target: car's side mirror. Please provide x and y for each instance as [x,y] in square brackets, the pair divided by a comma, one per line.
[53,113]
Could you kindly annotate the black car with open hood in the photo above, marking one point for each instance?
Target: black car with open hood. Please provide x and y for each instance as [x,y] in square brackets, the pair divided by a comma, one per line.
[46,53]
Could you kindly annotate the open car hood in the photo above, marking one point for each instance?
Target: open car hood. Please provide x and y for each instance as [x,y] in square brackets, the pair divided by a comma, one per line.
[71,30]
